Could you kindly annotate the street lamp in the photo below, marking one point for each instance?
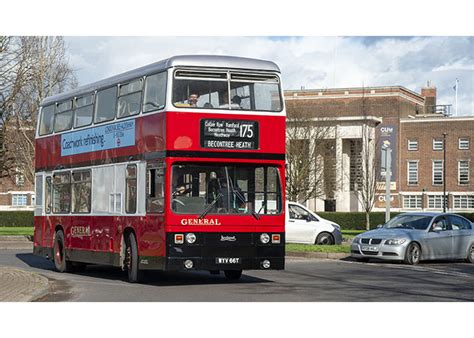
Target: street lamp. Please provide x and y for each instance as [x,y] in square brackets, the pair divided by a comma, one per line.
[444,172]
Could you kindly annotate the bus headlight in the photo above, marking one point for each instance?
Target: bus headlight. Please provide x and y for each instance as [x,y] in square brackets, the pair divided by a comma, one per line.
[188,264]
[190,238]
[264,238]
[266,264]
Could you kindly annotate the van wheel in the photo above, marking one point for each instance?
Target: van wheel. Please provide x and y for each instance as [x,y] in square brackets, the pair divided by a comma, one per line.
[131,259]
[412,254]
[59,253]
[470,254]
[233,274]
[324,238]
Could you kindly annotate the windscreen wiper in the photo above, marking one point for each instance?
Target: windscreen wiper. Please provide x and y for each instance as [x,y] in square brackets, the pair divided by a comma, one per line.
[257,214]
[209,207]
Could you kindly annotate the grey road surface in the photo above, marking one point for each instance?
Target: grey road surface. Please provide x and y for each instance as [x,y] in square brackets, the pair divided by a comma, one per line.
[302,280]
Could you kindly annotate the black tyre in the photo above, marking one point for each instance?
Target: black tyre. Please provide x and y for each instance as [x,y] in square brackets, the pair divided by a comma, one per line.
[131,259]
[470,254]
[412,254]
[324,238]
[59,253]
[233,274]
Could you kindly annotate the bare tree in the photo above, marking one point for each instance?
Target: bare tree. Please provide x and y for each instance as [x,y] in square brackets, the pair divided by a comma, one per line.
[309,156]
[31,68]
[366,178]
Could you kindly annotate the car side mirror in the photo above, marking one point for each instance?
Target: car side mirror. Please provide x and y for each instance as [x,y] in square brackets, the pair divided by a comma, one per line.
[308,218]
[379,226]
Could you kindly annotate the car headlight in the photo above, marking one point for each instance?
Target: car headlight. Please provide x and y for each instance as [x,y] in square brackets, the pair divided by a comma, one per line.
[337,226]
[355,240]
[397,241]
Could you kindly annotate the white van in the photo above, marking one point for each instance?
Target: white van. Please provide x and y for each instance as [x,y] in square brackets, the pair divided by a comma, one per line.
[304,226]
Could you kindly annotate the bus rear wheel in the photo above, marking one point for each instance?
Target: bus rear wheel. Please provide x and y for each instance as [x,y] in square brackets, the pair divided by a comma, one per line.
[233,274]
[59,254]
[131,259]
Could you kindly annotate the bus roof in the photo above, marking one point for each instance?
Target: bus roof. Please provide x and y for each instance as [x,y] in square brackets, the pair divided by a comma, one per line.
[206,61]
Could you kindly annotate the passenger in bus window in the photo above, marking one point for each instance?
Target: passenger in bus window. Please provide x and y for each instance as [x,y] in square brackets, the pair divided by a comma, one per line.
[190,102]
[235,104]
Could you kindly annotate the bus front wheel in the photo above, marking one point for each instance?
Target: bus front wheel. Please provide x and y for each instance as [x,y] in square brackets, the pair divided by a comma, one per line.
[233,274]
[131,259]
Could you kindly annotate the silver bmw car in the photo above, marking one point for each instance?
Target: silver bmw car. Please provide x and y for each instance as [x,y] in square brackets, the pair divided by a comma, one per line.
[412,237]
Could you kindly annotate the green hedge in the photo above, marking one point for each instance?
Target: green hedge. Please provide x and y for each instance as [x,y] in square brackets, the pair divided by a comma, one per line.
[16,219]
[356,220]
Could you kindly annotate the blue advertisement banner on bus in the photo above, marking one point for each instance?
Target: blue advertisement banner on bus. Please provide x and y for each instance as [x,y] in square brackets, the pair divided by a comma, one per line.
[110,136]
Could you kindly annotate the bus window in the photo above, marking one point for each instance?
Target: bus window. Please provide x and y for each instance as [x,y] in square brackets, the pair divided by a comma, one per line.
[129,98]
[256,92]
[61,193]
[210,88]
[84,110]
[63,118]
[155,92]
[131,189]
[47,194]
[39,190]
[156,192]
[81,191]
[47,118]
[105,105]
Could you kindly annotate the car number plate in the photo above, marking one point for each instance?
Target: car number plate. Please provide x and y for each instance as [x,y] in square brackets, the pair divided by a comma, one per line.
[227,260]
[370,248]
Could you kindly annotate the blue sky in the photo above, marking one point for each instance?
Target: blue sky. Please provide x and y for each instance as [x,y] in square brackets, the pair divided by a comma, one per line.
[311,62]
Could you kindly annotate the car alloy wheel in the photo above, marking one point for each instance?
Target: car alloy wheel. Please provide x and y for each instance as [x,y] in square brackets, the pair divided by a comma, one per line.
[470,257]
[413,254]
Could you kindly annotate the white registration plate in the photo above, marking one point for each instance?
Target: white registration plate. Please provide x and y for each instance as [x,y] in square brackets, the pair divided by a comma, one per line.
[227,260]
[370,248]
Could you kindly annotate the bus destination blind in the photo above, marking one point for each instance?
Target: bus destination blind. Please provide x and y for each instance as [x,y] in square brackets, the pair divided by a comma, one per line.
[229,134]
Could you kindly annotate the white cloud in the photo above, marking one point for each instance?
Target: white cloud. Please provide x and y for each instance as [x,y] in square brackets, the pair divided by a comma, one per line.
[312,62]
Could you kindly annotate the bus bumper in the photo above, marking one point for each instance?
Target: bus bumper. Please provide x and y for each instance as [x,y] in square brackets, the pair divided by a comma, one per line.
[225,251]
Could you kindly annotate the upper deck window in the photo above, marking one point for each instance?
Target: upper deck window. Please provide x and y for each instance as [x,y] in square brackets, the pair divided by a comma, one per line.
[155,92]
[84,110]
[63,119]
[130,95]
[226,90]
[47,119]
[105,105]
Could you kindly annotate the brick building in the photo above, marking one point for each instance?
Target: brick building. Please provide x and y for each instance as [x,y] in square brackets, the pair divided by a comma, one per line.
[401,118]
[16,194]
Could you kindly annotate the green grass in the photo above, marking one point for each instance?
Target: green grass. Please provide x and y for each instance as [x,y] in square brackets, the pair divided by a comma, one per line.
[16,231]
[349,234]
[344,248]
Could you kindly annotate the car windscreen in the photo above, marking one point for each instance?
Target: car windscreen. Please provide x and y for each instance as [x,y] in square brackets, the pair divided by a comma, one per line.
[221,189]
[414,222]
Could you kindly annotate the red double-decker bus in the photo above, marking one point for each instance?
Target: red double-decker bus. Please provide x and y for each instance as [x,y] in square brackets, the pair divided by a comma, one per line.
[178,165]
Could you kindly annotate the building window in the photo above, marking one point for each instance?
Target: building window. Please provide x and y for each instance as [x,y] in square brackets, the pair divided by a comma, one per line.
[412,145]
[437,172]
[463,143]
[412,172]
[412,201]
[19,179]
[436,201]
[19,200]
[463,201]
[463,172]
[437,144]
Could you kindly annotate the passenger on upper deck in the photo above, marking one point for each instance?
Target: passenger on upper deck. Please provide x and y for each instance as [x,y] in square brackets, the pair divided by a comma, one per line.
[190,102]
[235,102]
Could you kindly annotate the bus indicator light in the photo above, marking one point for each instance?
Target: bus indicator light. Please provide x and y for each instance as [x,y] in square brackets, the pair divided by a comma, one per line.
[179,239]
[276,239]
